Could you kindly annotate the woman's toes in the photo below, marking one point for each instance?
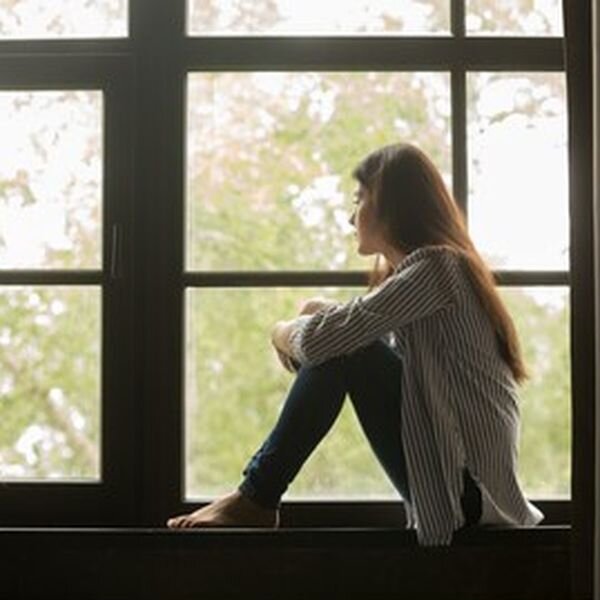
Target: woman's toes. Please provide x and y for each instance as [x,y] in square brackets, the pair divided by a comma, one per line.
[175,522]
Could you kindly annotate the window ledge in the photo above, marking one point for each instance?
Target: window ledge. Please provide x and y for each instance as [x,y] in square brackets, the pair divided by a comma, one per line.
[483,563]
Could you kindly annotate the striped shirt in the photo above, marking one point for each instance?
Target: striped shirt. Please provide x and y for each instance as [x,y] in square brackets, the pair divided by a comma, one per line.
[459,399]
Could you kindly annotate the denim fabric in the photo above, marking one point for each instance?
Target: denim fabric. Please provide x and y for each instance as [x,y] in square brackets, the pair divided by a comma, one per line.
[371,377]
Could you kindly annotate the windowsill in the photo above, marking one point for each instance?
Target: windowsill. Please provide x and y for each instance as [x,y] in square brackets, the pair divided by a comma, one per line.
[485,535]
[292,562]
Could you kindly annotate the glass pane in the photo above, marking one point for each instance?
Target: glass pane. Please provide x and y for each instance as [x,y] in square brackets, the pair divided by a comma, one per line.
[542,319]
[50,383]
[269,159]
[313,17]
[234,390]
[51,175]
[514,17]
[43,19]
[518,169]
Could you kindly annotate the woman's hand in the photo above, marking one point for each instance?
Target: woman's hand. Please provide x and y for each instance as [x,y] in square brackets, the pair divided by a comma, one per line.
[280,338]
[312,305]
[280,334]
[286,361]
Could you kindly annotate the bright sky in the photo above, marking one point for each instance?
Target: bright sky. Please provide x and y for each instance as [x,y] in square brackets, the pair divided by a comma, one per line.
[518,177]
[518,170]
[82,18]
[45,145]
[76,18]
[349,15]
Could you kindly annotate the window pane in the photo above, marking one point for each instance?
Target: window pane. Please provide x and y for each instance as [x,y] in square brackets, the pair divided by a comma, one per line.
[234,390]
[518,177]
[313,17]
[514,17]
[51,179]
[542,319]
[43,19]
[269,159]
[50,383]
[235,387]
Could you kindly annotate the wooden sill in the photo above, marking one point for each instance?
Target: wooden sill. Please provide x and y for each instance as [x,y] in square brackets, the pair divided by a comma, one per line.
[287,564]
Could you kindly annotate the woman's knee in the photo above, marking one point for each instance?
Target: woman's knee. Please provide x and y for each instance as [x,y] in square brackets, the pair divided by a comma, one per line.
[369,362]
[328,365]
[372,373]
[376,355]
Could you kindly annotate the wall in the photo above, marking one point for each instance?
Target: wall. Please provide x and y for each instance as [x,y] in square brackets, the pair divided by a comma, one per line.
[596,83]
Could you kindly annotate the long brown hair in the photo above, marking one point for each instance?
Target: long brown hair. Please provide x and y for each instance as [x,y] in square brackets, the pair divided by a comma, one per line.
[416,209]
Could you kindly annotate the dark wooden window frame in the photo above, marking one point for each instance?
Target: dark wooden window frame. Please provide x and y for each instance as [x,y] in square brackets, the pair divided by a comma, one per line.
[44,502]
[144,80]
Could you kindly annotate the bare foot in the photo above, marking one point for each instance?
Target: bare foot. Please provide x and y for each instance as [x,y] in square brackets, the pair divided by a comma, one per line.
[232,510]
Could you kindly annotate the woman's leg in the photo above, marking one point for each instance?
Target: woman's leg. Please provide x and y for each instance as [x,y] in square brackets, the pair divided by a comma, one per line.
[312,405]
[371,376]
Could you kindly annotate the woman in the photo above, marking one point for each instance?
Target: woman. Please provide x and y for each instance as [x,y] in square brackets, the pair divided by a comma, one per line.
[429,358]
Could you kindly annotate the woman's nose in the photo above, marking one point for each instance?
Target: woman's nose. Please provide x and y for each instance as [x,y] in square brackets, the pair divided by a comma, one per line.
[351,219]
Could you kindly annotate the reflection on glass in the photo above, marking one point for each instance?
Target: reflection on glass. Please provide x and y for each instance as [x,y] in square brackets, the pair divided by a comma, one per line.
[50,383]
[269,159]
[51,179]
[44,19]
[234,390]
[313,17]
[514,17]
[542,319]
[518,169]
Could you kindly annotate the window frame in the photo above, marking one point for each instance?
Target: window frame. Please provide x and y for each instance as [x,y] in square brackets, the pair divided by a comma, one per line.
[110,498]
[145,75]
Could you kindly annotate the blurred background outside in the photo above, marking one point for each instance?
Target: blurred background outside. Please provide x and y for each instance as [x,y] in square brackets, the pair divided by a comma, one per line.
[268,187]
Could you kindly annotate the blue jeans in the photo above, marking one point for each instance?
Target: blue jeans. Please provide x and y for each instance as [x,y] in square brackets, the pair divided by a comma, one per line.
[371,377]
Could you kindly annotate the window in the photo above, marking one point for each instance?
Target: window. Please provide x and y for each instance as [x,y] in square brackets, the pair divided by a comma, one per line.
[177,178]
[51,360]
[36,19]
[64,286]
[313,18]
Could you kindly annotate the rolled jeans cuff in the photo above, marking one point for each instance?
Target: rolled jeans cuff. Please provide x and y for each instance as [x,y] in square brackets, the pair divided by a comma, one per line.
[247,489]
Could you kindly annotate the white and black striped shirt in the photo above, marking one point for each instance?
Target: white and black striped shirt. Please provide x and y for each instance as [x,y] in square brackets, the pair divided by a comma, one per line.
[459,399]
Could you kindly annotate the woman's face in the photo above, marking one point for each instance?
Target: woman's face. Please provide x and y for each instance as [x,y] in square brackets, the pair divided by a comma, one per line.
[363,219]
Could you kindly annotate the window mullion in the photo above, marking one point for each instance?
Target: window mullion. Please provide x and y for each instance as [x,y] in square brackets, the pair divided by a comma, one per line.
[459,137]
[457,18]
[159,252]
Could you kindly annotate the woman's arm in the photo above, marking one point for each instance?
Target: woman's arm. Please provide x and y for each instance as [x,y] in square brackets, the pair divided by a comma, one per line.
[426,284]
[281,332]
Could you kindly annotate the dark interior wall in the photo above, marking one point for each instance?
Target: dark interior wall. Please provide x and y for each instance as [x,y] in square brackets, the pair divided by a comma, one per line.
[578,40]
[596,176]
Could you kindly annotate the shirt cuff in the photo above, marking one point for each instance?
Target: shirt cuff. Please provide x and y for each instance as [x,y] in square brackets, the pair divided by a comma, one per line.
[296,336]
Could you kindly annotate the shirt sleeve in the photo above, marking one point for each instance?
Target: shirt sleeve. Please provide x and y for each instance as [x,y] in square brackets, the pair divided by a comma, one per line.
[426,284]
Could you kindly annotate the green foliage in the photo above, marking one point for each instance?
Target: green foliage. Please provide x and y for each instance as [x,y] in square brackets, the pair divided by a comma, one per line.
[269,184]
[546,413]
[49,382]
[235,386]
